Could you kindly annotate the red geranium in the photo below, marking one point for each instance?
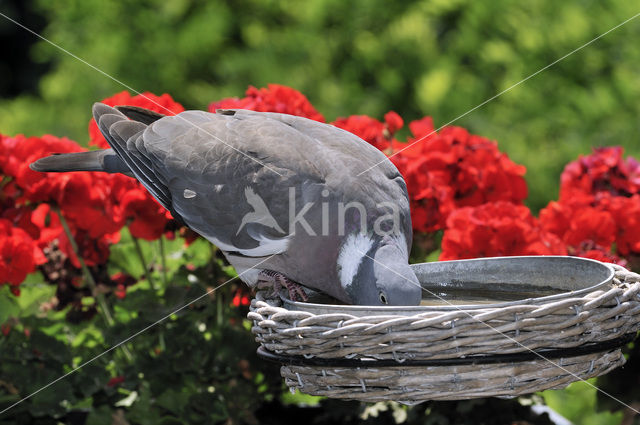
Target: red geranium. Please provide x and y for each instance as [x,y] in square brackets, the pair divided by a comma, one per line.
[274,98]
[19,255]
[604,171]
[496,229]
[163,104]
[626,214]
[16,153]
[88,200]
[599,205]
[94,251]
[453,169]
[240,298]
[371,130]
[115,381]
[82,196]
[600,254]
[576,224]
[48,224]
[146,218]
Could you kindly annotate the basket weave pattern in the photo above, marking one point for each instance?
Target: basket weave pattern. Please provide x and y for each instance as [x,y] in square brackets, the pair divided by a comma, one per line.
[568,322]
[415,384]
[565,322]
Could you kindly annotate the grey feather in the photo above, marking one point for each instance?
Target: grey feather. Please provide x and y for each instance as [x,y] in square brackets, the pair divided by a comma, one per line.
[100,160]
[142,115]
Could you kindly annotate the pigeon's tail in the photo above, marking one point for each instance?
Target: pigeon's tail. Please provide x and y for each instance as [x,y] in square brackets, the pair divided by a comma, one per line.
[100,160]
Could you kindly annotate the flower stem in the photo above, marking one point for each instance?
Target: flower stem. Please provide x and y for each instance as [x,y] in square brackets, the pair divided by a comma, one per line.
[104,307]
[86,272]
[163,259]
[147,273]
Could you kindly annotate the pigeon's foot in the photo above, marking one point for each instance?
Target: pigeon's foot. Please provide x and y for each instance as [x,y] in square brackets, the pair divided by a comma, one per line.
[296,293]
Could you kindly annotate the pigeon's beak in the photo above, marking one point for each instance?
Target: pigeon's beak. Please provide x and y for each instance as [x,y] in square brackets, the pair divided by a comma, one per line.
[396,281]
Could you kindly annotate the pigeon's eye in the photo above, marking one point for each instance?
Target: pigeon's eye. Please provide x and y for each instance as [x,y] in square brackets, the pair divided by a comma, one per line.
[383,298]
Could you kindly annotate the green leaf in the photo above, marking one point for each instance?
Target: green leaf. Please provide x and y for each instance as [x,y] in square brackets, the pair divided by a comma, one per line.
[32,295]
[577,403]
[170,420]
[101,415]
[199,252]
[300,399]
[173,400]
[49,347]
[49,401]
[8,305]
[123,256]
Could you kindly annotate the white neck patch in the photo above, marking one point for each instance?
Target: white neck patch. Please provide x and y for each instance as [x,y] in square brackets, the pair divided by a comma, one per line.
[352,252]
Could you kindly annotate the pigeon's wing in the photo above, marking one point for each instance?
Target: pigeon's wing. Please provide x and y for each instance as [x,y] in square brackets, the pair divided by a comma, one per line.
[229,179]
[142,115]
[355,168]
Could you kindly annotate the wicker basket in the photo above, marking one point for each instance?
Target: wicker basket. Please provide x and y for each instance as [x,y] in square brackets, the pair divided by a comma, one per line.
[448,351]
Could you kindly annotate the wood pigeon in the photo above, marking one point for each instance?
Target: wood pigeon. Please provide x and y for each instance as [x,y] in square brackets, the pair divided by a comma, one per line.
[280,195]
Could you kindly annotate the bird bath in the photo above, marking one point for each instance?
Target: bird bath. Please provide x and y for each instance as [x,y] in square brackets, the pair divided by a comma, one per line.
[491,327]
[485,282]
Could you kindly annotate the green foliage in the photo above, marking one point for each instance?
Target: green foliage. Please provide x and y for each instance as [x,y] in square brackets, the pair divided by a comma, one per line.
[439,58]
[578,404]
[196,366]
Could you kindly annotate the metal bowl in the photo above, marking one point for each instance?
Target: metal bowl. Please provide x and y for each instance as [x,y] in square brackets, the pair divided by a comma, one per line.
[484,283]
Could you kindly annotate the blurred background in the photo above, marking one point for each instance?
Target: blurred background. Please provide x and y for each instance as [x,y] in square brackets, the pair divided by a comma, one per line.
[438,58]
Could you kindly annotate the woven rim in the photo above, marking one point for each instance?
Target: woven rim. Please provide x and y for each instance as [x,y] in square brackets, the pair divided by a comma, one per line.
[418,384]
[599,347]
[600,315]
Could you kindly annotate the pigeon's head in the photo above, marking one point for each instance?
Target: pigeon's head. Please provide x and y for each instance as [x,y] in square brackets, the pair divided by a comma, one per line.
[383,276]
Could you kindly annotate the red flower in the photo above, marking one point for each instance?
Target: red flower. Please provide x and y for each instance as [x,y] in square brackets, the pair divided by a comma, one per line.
[591,225]
[20,217]
[5,328]
[88,199]
[146,218]
[117,380]
[121,291]
[188,235]
[578,223]
[274,98]
[369,129]
[19,254]
[376,133]
[599,205]
[122,281]
[16,153]
[496,229]
[163,104]
[626,214]
[83,197]
[604,171]
[393,122]
[93,251]
[453,169]
[240,298]
[600,254]
[48,224]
